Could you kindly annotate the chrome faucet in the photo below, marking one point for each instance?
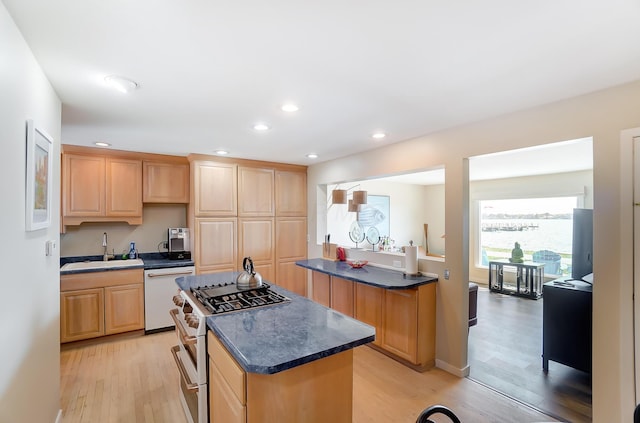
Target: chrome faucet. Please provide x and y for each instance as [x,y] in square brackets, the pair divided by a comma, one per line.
[105,256]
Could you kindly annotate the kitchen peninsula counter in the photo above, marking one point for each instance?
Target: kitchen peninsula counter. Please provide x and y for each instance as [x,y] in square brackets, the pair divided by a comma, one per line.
[402,308]
[369,274]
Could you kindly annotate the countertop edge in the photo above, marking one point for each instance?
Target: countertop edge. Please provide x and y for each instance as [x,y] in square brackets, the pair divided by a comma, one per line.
[237,355]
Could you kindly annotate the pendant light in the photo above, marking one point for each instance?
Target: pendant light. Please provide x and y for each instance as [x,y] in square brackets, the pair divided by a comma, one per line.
[339,196]
[360,197]
[353,207]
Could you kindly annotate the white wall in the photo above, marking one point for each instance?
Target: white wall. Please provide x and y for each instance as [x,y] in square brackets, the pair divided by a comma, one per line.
[602,115]
[30,328]
[406,212]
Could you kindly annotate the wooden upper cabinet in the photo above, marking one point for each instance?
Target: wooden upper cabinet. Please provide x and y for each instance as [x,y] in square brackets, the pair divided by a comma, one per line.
[165,182]
[215,190]
[291,193]
[124,187]
[100,188]
[83,185]
[255,191]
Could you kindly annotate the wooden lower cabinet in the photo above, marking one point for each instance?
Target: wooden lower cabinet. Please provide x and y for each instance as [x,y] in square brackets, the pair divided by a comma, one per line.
[368,307]
[404,319]
[316,392]
[81,314]
[122,308]
[223,404]
[342,296]
[321,288]
[400,323]
[101,303]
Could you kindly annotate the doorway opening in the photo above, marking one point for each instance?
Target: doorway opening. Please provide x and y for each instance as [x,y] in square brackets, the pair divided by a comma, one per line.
[526,196]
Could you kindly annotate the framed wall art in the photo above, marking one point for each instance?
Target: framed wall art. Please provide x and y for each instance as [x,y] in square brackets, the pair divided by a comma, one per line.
[38,179]
[375,214]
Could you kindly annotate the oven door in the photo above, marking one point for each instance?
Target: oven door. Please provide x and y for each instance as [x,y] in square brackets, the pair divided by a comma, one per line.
[193,396]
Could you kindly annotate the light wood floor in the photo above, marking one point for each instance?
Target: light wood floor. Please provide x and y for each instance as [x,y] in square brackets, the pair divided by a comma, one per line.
[134,380]
[505,349]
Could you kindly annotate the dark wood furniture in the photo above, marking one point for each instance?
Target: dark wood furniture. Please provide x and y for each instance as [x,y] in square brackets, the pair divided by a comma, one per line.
[566,324]
[526,281]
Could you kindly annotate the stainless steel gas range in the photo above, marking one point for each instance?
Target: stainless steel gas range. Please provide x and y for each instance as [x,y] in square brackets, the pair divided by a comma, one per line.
[193,308]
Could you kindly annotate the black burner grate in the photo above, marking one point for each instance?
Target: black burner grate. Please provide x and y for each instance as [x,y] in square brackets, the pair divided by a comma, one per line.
[226,298]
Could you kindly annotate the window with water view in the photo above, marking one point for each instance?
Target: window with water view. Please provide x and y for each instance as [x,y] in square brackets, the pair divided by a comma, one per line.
[542,226]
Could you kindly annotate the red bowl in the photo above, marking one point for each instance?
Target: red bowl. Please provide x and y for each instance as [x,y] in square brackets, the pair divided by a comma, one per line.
[357,264]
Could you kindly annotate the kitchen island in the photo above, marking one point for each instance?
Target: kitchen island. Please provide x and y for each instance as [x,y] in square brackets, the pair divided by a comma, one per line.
[401,307]
[288,362]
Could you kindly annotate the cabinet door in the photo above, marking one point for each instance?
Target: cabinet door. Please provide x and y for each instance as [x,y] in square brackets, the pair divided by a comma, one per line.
[255,191]
[215,245]
[368,307]
[81,314]
[292,277]
[291,193]
[321,288]
[256,240]
[124,187]
[124,308]
[400,323]
[83,185]
[215,189]
[342,295]
[224,406]
[165,182]
[291,238]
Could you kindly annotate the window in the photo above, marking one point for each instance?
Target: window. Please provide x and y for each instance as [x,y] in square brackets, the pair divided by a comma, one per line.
[542,226]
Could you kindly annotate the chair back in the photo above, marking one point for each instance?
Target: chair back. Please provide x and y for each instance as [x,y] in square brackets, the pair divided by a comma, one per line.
[436,409]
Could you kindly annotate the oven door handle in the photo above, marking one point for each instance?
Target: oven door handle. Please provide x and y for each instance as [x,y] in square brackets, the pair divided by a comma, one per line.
[185,338]
[191,387]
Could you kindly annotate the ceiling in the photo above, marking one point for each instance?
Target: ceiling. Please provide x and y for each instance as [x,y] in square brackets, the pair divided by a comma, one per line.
[208,70]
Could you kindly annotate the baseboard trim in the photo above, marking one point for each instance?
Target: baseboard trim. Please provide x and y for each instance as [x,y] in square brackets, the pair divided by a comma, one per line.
[59,417]
[456,371]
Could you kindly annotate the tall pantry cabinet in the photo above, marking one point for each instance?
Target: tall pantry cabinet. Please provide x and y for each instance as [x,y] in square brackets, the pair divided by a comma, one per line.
[245,208]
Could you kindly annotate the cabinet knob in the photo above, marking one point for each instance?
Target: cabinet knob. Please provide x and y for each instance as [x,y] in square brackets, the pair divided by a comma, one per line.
[178,300]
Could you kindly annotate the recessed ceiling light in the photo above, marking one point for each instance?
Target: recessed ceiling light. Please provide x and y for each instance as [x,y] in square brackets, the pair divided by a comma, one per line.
[221,152]
[261,127]
[103,144]
[312,155]
[379,135]
[120,83]
[289,107]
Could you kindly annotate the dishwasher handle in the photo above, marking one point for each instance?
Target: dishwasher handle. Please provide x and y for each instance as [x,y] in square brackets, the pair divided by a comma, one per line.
[157,275]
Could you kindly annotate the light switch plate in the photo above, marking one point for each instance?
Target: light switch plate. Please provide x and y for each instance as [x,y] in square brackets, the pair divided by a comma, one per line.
[49,248]
[446,273]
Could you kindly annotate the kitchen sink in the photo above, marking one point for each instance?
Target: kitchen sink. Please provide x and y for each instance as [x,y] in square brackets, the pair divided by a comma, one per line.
[100,264]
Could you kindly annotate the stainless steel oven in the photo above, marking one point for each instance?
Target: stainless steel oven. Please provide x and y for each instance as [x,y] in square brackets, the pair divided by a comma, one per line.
[191,356]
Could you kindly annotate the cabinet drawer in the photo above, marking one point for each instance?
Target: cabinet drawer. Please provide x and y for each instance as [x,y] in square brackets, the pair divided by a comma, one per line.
[230,370]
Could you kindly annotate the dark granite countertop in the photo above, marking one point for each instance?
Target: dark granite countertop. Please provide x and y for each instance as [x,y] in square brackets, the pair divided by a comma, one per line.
[150,260]
[370,275]
[279,337]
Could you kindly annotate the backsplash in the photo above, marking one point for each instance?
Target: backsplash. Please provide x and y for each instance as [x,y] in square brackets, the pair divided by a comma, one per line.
[86,239]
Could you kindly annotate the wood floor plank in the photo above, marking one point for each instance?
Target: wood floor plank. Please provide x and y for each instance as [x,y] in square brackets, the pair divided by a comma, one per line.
[505,349]
[134,380]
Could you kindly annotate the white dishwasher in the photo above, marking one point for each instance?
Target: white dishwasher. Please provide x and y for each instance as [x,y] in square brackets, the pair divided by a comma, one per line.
[159,289]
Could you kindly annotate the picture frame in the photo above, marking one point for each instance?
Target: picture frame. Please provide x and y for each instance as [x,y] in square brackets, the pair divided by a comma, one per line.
[38,179]
[375,214]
